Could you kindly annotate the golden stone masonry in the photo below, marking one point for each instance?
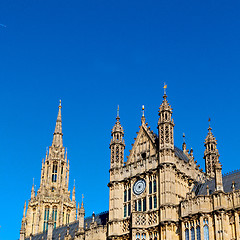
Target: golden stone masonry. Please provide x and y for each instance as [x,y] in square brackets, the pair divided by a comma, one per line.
[159,193]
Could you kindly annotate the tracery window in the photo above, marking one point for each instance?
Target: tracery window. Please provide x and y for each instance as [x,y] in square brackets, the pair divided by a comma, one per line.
[54,173]
[125,210]
[205,229]
[46,217]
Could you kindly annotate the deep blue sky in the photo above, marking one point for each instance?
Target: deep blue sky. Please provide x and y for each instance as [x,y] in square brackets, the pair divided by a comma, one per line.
[94,55]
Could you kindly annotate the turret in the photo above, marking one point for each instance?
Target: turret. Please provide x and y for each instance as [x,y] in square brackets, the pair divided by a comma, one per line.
[211,154]
[117,144]
[81,215]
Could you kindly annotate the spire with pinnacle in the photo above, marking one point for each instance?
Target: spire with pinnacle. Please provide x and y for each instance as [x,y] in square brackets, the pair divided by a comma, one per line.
[57,135]
[33,191]
[165,124]
[211,154]
[117,144]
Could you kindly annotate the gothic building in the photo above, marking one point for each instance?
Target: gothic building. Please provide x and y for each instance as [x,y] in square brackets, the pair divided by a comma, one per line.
[159,193]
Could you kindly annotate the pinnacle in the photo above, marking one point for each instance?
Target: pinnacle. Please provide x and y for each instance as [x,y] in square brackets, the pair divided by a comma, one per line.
[57,135]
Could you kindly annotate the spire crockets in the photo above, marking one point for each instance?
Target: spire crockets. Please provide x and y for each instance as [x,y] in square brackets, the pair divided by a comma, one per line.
[57,135]
[165,124]
[211,154]
[117,144]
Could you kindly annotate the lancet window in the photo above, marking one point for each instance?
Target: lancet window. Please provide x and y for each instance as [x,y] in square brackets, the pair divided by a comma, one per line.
[54,172]
[127,200]
[46,218]
[152,199]
[205,229]
[54,216]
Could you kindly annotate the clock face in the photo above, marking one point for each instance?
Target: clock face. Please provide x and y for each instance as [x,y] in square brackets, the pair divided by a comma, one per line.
[139,186]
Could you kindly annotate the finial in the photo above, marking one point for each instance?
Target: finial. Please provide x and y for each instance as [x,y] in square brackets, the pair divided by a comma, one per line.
[118,111]
[82,200]
[209,122]
[60,104]
[74,183]
[165,87]
[233,185]
[183,137]
[143,110]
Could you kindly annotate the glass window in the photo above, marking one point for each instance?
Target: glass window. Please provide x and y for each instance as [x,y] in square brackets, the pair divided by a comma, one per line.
[125,211]
[150,187]
[155,201]
[54,216]
[206,232]
[198,233]
[125,195]
[54,173]
[135,203]
[46,217]
[192,233]
[139,205]
[187,234]
[129,194]
[129,209]
[154,186]
[144,204]
[150,202]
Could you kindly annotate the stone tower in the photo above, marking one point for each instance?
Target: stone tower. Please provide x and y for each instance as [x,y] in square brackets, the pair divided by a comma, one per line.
[211,154]
[117,147]
[52,201]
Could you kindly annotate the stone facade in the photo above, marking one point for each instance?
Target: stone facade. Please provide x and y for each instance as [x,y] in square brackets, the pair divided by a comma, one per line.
[159,193]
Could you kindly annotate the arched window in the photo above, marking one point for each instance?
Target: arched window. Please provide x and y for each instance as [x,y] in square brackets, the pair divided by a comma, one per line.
[33,219]
[46,217]
[155,235]
[186,234]
[137,236]
[54,173]
[192,233]
[198,233]
[154,186]
[54,216]
[150,187]
[205,229]
[143,236]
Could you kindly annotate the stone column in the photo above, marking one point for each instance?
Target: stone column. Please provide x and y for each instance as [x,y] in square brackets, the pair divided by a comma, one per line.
[50,228]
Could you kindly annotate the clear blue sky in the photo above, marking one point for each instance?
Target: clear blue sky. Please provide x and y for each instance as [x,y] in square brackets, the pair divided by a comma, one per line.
[94,55]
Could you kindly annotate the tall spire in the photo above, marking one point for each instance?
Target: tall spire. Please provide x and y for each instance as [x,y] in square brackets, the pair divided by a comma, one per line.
[211,154]
[32,191]
[57,135]
[117,144]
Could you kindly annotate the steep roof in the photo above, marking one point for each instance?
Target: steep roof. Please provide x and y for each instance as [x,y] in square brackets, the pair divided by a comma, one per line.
[100,219]
[201,189]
